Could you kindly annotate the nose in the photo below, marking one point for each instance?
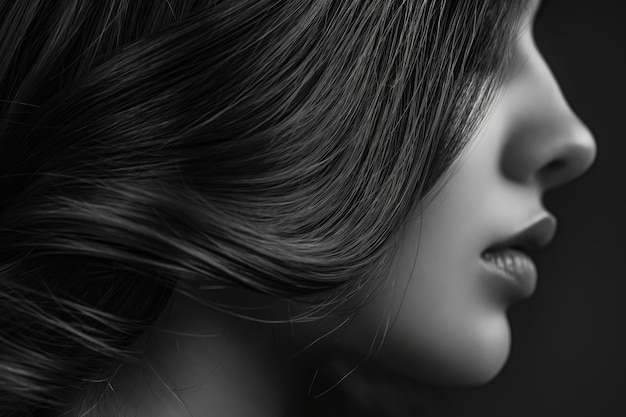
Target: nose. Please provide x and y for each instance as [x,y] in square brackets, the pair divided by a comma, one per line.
[548,144]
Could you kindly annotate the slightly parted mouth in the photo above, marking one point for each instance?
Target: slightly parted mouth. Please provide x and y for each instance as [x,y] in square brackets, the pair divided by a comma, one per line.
[508,258]
[536,235]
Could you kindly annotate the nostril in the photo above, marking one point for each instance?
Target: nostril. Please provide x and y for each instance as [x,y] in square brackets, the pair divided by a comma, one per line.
[554,166]
[554,173]
[551,149]
[574,160]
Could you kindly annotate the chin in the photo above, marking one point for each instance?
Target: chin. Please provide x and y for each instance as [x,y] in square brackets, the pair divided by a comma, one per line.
[485,356]
[469,357]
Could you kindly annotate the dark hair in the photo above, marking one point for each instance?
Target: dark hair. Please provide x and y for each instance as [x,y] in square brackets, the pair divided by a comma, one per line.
[152,146]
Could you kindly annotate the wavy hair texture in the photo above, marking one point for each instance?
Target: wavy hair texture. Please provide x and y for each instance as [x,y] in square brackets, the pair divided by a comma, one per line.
[153,146]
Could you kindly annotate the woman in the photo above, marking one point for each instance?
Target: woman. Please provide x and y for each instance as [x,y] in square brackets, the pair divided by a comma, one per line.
[206,203]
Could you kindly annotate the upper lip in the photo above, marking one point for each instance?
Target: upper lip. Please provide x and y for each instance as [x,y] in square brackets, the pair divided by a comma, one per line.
[535,235]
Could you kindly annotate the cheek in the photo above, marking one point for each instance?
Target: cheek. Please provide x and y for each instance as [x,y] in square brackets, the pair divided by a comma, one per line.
[433,317]
[447,329]
[447,325]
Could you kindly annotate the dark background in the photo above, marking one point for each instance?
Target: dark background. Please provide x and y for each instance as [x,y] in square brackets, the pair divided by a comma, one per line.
[569,340]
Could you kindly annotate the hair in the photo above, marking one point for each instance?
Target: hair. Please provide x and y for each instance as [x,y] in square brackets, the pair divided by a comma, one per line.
[152,146]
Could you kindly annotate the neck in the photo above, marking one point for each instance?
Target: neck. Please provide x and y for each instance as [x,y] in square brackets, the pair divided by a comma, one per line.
[202,362]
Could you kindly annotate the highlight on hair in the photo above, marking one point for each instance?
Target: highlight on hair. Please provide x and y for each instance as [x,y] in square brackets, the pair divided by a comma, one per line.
[154,146]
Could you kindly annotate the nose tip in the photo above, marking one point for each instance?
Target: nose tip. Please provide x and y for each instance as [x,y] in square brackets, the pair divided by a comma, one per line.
[572,155]
[550,150]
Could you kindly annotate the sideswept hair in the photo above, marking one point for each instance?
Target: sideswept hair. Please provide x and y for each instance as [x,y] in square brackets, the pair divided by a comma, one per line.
[156,146]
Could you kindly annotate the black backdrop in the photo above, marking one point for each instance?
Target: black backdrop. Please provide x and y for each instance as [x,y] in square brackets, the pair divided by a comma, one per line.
[569,340]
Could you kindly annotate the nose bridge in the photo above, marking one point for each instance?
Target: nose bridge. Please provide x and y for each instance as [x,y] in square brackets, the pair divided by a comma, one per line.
[550,145]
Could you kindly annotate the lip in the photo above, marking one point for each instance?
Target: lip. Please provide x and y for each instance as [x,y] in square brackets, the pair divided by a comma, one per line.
[514,267]
[507,259]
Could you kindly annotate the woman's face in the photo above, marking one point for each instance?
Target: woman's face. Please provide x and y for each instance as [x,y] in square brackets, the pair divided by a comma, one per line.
[463,261]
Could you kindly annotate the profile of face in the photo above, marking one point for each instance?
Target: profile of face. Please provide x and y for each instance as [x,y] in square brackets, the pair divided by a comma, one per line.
[464,260]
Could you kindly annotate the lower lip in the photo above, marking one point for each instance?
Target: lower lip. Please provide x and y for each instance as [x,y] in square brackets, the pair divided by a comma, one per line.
[515,267]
